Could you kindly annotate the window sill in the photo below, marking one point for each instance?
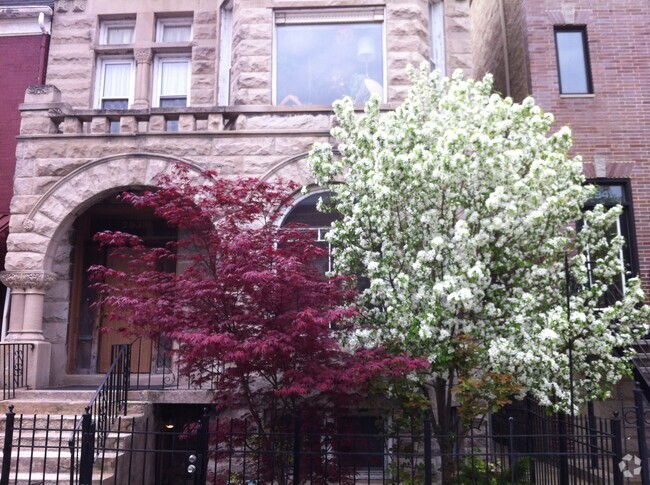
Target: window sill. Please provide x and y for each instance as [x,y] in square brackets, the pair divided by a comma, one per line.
[569,96]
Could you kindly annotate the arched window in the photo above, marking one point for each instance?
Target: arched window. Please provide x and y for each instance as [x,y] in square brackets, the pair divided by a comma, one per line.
[304,212]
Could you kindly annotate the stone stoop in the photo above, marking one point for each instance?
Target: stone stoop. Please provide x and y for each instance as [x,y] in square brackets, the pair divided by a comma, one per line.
[44,422]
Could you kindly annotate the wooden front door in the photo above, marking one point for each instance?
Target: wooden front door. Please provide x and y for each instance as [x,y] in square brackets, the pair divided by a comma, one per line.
[110,334]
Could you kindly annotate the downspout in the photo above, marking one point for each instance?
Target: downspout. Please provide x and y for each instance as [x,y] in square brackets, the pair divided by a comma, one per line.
[5,315]
[45,42]
[504,39]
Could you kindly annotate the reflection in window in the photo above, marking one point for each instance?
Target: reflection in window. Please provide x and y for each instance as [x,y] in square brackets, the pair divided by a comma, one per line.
[573,63]
[319,63]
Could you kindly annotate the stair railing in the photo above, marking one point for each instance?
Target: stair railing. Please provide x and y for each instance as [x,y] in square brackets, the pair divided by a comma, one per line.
[109,401]
[14,362]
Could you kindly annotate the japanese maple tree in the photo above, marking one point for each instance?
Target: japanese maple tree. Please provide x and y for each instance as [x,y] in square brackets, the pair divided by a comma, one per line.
[247,296]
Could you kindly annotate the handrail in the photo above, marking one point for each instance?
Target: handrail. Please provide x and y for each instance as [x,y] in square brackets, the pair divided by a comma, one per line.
[110,399]
[14,359]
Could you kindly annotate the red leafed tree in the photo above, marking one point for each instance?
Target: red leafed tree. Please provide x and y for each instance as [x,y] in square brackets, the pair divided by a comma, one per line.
[247,295]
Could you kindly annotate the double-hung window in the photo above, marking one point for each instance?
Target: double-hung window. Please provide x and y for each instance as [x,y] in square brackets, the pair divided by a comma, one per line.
[326,54]
[171,81]
[573,60]
[115,83]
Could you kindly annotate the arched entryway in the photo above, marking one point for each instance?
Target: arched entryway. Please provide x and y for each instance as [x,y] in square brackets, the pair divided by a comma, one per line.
[91,331]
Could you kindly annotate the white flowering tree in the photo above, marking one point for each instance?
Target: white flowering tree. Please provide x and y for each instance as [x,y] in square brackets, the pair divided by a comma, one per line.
[459,206]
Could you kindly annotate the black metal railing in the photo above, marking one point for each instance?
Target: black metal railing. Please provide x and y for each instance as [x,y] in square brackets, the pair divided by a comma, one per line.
[109,402]
[155,365]
[14,358]
[520,446]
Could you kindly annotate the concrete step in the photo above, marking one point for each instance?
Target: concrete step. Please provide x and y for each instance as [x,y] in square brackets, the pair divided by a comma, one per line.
[56,479]
[51,460]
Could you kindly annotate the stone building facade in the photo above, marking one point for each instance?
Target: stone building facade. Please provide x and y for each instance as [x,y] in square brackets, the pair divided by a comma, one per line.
[135,87]
[24,40]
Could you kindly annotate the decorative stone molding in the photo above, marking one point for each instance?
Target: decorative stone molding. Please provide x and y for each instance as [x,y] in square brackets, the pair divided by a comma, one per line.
[28,225]
[143,56]
[40,280]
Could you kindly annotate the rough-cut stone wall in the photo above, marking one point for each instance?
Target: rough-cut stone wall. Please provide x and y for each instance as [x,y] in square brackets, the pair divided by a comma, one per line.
[458,37]
[68,160]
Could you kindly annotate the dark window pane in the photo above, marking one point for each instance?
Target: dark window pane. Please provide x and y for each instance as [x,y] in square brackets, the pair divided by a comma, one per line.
[317,64]
[115,104]
[172,125]
[572,62]
[608,195]
[115,127]
[179,102]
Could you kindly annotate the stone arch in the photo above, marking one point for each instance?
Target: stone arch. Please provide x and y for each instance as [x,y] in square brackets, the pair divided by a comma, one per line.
[55,210]
[295,168]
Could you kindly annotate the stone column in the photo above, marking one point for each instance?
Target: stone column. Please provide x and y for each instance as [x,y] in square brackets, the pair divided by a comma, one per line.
[142,78]
[27,297]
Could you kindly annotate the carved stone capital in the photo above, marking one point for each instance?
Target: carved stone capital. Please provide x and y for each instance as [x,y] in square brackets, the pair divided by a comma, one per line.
[143,55]
[40,280]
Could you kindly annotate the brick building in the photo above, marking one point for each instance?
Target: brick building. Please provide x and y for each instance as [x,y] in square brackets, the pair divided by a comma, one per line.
[133,87]
[585,62]
[24,41]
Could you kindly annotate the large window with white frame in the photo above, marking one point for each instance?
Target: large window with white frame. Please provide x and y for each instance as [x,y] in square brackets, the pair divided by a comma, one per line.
[437,35]
[326,54]
[171,81]
[115,82]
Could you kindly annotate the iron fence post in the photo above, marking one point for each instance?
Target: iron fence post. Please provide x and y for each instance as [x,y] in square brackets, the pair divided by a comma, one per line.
[297,423]
[6,449]
[593,439]
[87,449]
[202,448]
[127,375]
[564,449]
[640,427]
[530,443]
[511,447]
[428,476]
[617,447]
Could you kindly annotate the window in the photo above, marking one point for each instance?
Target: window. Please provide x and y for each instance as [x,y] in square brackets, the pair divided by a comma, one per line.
[324,55]
[611,193]
[174,30]
[117,32]
[171,81]
[437,36]
[573,60]
[115,83]
[305,212]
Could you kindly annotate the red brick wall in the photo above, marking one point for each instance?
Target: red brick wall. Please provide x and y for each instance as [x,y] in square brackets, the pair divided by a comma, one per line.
[613,124]
[19,62]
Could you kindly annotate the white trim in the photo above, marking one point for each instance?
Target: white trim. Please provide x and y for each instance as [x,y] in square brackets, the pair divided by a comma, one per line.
[157,80]
[26,24]
[107,24]
[225,55]
[99,78]
[329,15]
[175,21]
[437,55]
[5,315]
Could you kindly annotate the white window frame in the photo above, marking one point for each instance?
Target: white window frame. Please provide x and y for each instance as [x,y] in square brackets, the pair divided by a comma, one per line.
[102,62]
[225,54]
[107,24]
[173,21]
[330,16]
[157,78]
[437,36]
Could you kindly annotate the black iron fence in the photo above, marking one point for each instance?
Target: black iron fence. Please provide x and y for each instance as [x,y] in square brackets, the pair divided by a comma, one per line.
[523,446]
[14,363]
